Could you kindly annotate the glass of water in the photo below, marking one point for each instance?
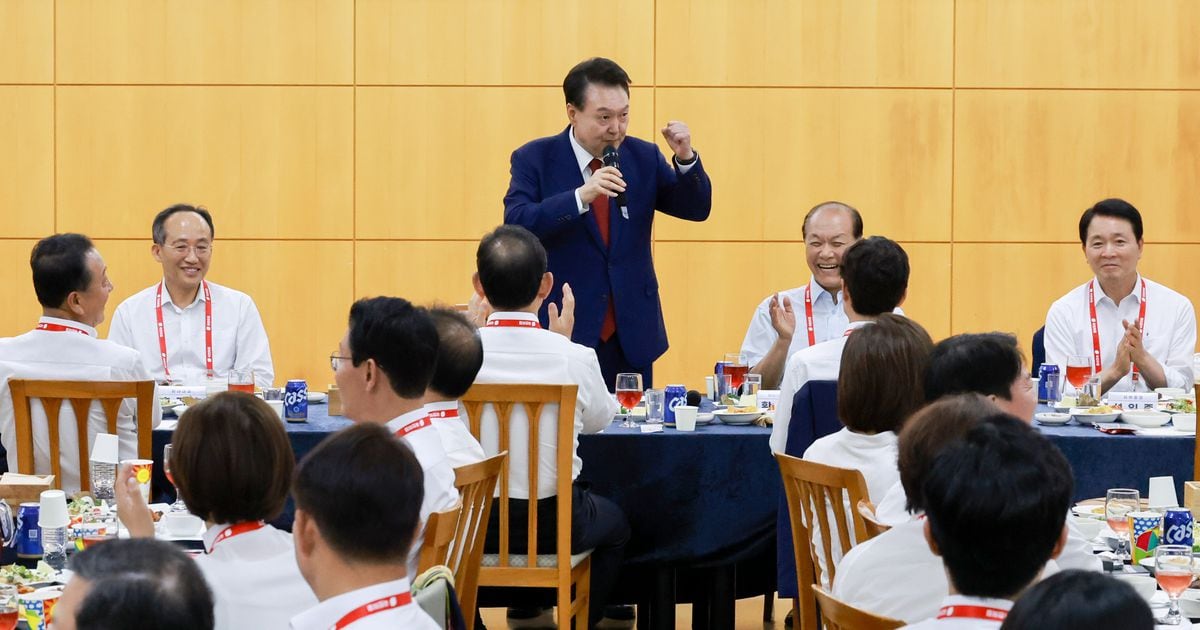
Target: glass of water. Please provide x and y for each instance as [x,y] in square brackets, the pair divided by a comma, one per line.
[654,405]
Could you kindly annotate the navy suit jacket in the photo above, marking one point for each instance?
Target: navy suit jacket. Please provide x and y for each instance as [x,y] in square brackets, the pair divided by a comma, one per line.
[541,198]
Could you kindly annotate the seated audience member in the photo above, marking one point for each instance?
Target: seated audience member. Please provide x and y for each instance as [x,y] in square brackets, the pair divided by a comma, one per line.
[1145,332]
[1080,600]
[71,283]
[512,276]
[1006,484]
[383,366]
[134,583]
[874,281]
[459,357]
[166,322]
[358,495]
[250,566]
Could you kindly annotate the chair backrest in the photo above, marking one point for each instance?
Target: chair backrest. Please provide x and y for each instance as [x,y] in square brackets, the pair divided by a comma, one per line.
[439,537]
[80,394]
[873,525]
[1038,350]
[476,485]
[838,615]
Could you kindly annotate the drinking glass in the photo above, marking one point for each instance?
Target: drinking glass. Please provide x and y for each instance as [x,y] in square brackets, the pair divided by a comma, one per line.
[629,394]
[1173,567]
[241,381]
[655,408]
[1118,503]
[735,366]
[8,606]
[750,387]
[1079,370]
[178,505]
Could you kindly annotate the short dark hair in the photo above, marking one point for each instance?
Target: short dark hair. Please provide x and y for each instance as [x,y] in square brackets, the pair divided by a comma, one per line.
[598,71]
[460,353]
[880,381]
[983,363]
[158,229]
[511,262]
[930,430]
[141,583]
[363,488]
[1006,484]
[59,265]
[400,338]
[1080,600]
[875,275]
[256,460]
[1114,208]
[855,218]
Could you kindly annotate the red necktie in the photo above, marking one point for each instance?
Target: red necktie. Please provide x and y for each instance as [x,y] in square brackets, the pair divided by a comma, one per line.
[600,212]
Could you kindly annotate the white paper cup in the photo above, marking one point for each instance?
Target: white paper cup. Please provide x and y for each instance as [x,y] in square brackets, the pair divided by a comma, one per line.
[1185,422]
[1162,492]
[37,608]
[685,417]
[104,449]
[52,509]
[276,406]
[142,472]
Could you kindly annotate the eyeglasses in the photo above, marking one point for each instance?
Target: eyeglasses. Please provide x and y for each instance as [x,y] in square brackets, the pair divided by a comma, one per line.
[201,250]
[334,359]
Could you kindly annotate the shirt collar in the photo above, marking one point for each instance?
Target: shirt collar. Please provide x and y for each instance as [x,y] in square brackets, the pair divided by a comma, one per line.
[441,405]
[513,315]
[967,600]
[210,535]
[859,324]
[399,422]
[199,294]
[1136,293]
[327,613]
[818,290]
[581,154]
[91,332]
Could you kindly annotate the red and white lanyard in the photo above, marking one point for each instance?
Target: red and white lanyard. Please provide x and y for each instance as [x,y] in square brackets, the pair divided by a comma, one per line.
[415,425]
[440,414]
[162,334]
[507,323]
[370,608]
[972,612]
[237,529]
[808,318]
[1141,324]
[61,328]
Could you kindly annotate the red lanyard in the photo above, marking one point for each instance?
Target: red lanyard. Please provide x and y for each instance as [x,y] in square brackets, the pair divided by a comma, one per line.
[808,318]
[162,334]
[60,328]
[519,323]
[236,529]
[370,608]
[972,612]
[444,413]
[1141,324]
[415,425]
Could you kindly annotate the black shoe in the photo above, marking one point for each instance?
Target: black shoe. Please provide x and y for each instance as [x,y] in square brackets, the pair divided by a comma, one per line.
[620,613]
[530,618]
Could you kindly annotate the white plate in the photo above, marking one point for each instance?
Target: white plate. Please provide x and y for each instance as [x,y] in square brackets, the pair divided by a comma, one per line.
[703,419]
[317,397]
[179,409]
[1052,419]
[1091,510]
[736,418]
[1146,419]
[1082,417]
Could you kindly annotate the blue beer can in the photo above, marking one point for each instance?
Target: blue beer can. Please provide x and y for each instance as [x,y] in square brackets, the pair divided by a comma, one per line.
[295,400]
[1177,526]
[673,396]
[29,534]
[1048,384]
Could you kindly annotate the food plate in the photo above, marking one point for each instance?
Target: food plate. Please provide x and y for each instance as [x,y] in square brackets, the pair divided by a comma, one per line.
[179,409]
[1052,419]
[703,419]
[317,397]
[1147,419]
[729,417]
[1086,415]
[1089,510]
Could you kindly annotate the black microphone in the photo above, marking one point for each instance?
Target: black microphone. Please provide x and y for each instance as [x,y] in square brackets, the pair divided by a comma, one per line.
[611,159]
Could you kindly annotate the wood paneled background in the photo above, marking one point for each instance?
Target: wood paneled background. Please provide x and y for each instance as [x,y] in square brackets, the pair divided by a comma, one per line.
[360,148]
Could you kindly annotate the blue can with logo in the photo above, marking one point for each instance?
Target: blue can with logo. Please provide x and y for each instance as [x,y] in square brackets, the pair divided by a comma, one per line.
[1177,527]
[29,533]
[295,400]
[673,396]
[1049,384]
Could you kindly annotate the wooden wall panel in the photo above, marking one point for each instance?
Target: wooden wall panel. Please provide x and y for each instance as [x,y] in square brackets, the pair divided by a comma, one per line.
[1028,163]
[805,42]
[269,162]
[16,280]
[434,162]
[422,272]
[501,42]
[26,161]
[216,41]
[774,153]
[1078,43]
[26,41]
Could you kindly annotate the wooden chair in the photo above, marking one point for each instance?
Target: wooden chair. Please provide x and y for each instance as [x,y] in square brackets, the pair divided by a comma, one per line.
[814,492]
[439,537]
[874,526]
[561,570]
[838,615]
[81,394]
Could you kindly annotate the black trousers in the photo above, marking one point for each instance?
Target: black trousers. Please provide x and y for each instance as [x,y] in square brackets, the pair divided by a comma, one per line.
[613,362]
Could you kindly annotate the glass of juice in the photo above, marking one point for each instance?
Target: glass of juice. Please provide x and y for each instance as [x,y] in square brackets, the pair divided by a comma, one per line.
[8,606]
[1174,569]
[1079,370]
[178,505]
[1118,503]
[736,368]
[629,394]
[241,381]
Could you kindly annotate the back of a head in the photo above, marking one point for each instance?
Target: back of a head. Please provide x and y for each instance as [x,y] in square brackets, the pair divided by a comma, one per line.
[881,377]
[980,363]
[928,432]
[256,459]
[141,583]
[59,265]
[995,503]
[594,71]
[511,262]
[363,489]
[1113,208]
[399,337]
[1080,600]
[459,356]
[875,274]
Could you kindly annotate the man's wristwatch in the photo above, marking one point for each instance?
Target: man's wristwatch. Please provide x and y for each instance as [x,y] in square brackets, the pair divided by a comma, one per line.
[695,156]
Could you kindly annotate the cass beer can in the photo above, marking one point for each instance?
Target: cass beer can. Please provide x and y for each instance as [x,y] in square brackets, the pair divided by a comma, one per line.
[673,396]
[1177,526]
[295,400]
[1049,384]
[29,533]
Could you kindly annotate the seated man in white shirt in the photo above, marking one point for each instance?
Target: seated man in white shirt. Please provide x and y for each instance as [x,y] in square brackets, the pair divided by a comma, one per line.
[459,357]
[71,282]
[1145,333]
[512,276]
[874,275]
[186,328]
[995,506]
[383,366]
[358,497]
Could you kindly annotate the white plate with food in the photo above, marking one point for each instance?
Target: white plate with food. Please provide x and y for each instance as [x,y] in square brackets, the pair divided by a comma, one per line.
[1146,418]
[315,398]
[1051,418]
[737,415]
[1089,510]
[1092,415]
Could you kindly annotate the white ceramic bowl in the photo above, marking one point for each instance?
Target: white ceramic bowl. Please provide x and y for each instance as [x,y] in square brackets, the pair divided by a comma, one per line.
[179,409]
[1083,417]
[1146,418]
[1184,422]
[1088,527]
[1143,584]
[1051,418]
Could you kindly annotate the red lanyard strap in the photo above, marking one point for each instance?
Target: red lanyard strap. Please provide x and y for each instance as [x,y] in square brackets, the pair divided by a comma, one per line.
[972,612]
[519,323]
[1141,324]
[162,333]
[415,425]
[61,328]
[808,318]
[236,529]
[440,414]
[370,608]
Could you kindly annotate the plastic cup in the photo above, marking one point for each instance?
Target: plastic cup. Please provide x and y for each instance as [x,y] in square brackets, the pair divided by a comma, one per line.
[142,469]
[655,399]
[52,510]
[1162,493]
[685,417]
[104,449]
[37,608]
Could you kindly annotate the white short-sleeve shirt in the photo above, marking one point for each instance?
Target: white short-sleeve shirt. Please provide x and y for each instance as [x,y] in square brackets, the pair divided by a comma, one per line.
[388,599]
[440,493]
[254,578]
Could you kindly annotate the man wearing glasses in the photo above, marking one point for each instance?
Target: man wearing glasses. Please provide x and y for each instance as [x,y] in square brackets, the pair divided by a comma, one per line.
[186,328]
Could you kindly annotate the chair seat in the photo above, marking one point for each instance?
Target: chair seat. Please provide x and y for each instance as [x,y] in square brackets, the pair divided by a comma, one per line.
[544,560]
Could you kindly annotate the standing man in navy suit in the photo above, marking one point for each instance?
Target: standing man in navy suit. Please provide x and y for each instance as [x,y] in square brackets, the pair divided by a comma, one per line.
[594,215]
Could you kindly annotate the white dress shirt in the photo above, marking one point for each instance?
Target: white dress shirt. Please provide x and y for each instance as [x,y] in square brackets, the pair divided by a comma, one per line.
[1169,335]
[533,355]
[585,167]
[965,623]
[239,341]
[440,493]
[74,356]
[461,447]
[327,614]
[254,578]
[829,322]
